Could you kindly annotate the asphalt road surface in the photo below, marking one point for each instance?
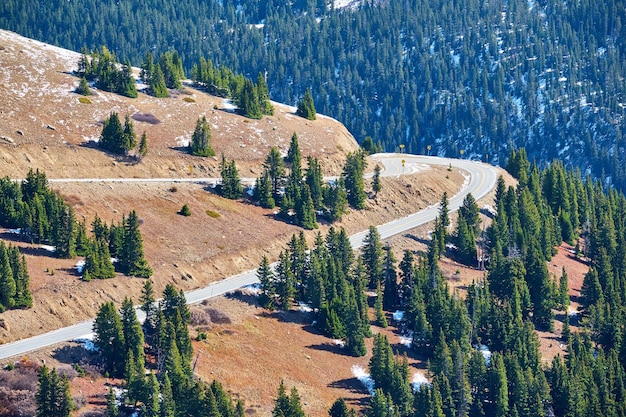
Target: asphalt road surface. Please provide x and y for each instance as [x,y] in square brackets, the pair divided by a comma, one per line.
[480,180]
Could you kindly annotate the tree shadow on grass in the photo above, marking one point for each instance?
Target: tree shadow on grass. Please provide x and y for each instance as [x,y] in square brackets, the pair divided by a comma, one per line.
[330,347]
[355,386]
[71,354]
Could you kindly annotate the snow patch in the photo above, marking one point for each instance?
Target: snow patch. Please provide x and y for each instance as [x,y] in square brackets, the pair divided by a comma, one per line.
[228,105]
[305,308]
[87,343]
[407,340]
[361,374]
[339,342]
[418,380]
[484,350]
[398,315]
[48,248]
[80,265]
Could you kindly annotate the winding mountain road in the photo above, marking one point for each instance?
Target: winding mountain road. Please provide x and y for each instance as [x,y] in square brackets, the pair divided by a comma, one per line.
[480,180]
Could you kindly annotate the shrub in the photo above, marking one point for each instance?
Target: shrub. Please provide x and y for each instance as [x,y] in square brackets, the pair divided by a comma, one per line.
[217,316]
[185,211]
[199,317]
[201,336]
[189,100]
[213,214]
[173,189]
[84,100]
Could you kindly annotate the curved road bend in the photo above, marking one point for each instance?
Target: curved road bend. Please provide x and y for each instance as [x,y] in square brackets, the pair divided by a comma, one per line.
[480,180]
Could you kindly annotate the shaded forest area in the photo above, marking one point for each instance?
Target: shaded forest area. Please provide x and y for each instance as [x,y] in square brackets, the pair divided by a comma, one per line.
[436,76]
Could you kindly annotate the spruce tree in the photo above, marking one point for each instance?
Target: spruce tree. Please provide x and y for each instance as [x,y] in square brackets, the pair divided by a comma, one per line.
[275,168]
[376,184]
[263,95]
[112,135]
[315,181]
[353,179]
[231,183]
[157,83]
[200,144]
[130,137]
[143,146]
[381,320]
[372,253]
[268,284]
[131,258]
[83,87]
[109,339]
[248,101]
[306,108]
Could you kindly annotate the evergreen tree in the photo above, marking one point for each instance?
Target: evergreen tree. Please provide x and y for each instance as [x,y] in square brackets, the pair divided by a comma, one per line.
[157,83]
[381,320]
[109,339]
[390,296]
[131,259]
[376,184]
[248,101]
[200,144]
[83,87]
[130,137]
[268,284]
[112,408]
[263,95]
[112,136]
[149,307]
[340,409]
[275,168]
[231,183]
[372,253]
[143,146]
[306,108]
[314,180]
[53,394]
[125,82]
[353,178]
[263,191]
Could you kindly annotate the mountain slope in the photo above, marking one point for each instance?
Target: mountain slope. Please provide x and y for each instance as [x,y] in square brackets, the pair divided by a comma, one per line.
[187,251]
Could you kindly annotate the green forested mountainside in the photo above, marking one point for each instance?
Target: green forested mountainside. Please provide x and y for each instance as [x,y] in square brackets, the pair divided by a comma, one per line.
[438,76]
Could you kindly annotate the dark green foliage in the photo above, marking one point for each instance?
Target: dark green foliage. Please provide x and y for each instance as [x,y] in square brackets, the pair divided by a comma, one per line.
[248,101]
[369,147]
[268,285]
[200,144]
[83,87]
[98,261]
[353,179]
[376,185]
[109,339]
[143,146]
[306,108]
[53,394]
[131,259]
[275,168]
[115,138]
[381,320]
[340,409]
[372,254]
[14,279]
[185,211]
[231,183]
[488,88]
[109,75]
[263,191]
[287,405]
